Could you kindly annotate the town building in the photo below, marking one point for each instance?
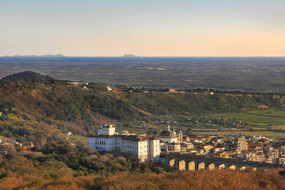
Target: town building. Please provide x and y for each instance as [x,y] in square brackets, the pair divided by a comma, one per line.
[169,136]
[242,144]
[108,130]
[143,148]
[174,147]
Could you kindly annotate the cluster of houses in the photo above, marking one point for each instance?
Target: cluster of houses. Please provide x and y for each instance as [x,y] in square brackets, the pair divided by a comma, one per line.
[249,148]
[262,149]
[149,148]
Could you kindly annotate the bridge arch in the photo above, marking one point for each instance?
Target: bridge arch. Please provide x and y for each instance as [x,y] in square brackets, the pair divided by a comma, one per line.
[172,163]
[181,165]
[211,166]
[243,168]
[201,166]
[232,167]
[192,166]
[221,166]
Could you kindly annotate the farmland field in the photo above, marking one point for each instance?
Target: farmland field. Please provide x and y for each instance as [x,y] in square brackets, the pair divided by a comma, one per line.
[269,123]
[257,118]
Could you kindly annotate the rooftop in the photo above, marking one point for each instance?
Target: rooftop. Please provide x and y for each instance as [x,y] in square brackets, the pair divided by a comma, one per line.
[126,137]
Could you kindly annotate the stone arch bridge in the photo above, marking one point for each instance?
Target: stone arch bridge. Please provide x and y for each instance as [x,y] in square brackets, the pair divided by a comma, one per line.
[190,162]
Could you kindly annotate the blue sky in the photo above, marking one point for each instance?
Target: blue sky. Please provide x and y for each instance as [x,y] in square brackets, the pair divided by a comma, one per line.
[143,27]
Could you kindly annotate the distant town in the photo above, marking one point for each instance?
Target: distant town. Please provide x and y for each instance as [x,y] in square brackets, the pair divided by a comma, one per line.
[152,148]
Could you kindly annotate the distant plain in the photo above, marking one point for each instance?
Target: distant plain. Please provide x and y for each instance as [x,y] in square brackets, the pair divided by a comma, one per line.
[243,74]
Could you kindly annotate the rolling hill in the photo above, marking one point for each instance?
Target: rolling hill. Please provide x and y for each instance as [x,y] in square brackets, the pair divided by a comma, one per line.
[81,107]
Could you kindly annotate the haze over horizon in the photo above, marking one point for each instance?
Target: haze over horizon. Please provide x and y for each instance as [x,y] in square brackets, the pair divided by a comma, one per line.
[146,28]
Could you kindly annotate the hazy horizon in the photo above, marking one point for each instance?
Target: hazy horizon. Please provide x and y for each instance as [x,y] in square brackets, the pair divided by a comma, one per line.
[164,28]
[136,56]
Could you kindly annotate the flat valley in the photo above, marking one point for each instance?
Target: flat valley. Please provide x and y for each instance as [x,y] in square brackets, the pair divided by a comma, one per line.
[242,74]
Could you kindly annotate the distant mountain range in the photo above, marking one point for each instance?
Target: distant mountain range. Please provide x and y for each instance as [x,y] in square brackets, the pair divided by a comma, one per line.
[31,56]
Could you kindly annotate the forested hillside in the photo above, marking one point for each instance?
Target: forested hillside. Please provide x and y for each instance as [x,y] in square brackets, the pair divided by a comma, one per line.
[83,107]
[37,114]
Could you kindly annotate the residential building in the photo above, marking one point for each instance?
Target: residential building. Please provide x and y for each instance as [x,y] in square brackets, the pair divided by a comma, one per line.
[242,144]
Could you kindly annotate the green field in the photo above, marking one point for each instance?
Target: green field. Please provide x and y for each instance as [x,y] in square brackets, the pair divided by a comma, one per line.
[270,134]
[257,118]
[269,122]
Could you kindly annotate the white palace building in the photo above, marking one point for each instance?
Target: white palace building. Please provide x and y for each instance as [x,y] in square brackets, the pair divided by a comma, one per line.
[143,148]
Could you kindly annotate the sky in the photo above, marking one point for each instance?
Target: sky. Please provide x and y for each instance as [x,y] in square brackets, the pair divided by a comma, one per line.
[143,27]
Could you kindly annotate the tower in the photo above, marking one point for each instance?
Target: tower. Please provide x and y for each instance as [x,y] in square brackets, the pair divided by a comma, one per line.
[180,136]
